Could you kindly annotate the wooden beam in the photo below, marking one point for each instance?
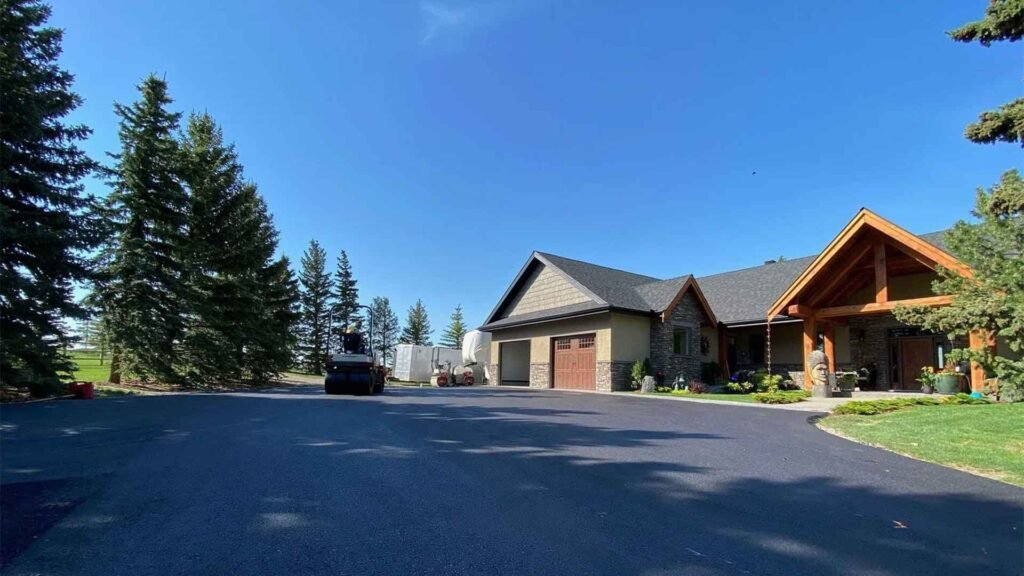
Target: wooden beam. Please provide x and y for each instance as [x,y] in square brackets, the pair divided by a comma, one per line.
[978,339]
[723,352]
[830,345]
[881,279]
[810,341]
[800,311]
[840,276]
[876,308]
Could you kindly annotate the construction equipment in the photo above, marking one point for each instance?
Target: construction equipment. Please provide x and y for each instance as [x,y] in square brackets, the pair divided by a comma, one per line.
[356,368]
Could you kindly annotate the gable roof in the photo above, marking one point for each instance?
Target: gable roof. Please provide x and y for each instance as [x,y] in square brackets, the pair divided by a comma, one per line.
[608,289]
[743,295]
[924,249]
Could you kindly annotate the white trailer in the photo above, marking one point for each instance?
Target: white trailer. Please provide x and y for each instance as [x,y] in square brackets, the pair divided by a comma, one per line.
[417,363]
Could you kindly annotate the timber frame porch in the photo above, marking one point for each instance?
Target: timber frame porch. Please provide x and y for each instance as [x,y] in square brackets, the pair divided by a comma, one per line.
[871,267]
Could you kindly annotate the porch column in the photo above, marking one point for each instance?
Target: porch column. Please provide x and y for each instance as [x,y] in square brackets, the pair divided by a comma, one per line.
[723,353]
[810,341]
[980,339]
[830,344]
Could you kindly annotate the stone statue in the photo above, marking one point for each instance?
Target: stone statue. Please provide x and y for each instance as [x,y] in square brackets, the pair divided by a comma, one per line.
[817,363]
[647,385]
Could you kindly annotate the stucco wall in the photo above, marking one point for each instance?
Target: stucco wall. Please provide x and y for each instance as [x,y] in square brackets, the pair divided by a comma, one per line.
[544,289]
[631,337]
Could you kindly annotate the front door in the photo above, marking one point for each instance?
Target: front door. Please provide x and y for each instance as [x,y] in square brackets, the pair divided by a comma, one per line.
[915,353]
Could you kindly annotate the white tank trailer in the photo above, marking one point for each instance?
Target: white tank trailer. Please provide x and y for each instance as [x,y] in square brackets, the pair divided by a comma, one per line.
[476,353]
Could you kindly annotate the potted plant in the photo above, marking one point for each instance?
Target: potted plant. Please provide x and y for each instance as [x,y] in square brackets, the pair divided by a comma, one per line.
[948,381]
[927,379]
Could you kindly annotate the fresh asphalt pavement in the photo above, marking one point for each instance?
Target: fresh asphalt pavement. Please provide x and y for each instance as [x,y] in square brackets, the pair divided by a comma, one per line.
[476,481]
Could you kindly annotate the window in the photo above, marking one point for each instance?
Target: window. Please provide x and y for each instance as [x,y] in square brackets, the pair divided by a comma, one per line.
[682,340]
[586,341]
[563,344]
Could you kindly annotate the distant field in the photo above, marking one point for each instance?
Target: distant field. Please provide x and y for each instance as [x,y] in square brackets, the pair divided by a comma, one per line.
[89,368]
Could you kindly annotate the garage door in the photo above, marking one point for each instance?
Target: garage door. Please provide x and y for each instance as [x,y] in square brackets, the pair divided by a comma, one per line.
[575,360]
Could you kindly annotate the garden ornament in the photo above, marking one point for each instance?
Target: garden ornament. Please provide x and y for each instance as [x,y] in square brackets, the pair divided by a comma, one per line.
[817,363]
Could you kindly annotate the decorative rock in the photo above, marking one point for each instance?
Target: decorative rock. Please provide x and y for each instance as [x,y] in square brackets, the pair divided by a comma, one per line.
[648,385]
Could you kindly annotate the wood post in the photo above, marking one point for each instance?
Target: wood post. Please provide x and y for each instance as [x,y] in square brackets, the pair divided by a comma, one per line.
[723,352]
[980,339]
[881,278]
[810,341]
[830,344]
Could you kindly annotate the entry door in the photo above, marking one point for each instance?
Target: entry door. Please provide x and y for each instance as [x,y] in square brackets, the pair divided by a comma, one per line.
[915,353]
[575,362]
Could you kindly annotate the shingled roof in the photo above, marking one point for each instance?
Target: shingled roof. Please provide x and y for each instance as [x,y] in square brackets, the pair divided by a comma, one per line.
[735,297]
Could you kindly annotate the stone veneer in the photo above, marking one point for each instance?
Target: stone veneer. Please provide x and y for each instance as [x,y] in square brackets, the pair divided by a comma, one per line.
[540,375]
[687,313]
[613,376]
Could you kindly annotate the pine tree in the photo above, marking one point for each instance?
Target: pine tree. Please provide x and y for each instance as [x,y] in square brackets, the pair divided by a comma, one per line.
[46,221]
[417,326]
[223,251]
[992,301]
[385,328]
[316,307]
[456,330]
[346,311]
[140,286]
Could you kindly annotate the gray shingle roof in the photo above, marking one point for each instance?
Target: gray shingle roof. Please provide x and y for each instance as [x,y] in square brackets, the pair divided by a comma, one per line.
[735,297]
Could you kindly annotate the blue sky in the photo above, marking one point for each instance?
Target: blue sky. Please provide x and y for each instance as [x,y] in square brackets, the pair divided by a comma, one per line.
[439,142]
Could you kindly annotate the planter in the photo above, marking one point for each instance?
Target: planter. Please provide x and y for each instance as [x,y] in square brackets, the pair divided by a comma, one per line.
[947,383]
[926,389]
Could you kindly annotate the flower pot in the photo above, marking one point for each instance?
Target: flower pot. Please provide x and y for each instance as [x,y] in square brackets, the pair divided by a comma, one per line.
[926,389]
[947,383]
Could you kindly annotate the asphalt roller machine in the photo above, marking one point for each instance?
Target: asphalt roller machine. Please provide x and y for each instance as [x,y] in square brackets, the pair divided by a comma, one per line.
[356,368]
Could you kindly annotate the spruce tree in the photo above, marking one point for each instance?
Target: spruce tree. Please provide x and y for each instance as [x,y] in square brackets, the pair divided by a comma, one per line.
[417,326]
[316,302]
[46,221]
[455,331]
[385,329]
[222,251]
[992,301]
[346,293]
[140,286]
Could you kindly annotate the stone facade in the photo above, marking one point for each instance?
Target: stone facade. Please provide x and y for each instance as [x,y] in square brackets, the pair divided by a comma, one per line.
[688,313]
[613,376]
[492,371]
[540,375]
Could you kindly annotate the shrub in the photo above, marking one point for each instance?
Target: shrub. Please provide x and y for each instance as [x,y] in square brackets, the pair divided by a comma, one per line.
[763,382]
[873,407]
[697,387]
[962,398]
[1010,390]
[640,369]
[738,388]
[663,389]
[780,397]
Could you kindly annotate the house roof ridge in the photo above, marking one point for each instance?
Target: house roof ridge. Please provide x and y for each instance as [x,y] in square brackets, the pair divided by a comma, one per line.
[652,278]
[787,260]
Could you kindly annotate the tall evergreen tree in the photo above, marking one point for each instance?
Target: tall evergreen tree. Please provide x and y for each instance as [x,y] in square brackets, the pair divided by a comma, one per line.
[992,301]
[46,222]
[417,326]
[140,286]
[385,329]
[316,307]
[455,331]
[217,255]
[346,311]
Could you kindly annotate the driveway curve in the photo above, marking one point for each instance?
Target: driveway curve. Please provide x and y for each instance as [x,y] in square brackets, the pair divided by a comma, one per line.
[476,481]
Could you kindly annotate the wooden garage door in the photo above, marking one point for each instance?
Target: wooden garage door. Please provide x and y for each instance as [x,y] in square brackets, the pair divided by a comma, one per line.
[575,360]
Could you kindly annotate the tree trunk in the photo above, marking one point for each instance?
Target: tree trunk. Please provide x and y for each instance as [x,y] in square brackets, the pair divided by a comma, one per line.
[115,366]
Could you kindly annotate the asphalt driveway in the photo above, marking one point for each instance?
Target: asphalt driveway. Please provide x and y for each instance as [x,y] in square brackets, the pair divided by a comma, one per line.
[476,481]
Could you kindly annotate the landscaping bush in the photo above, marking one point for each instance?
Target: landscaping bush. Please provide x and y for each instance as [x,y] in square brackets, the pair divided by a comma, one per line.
[640,369]
[763,382]
[697,387]
[738,388]
[873,407]
[962,398]
[663,389]
[781,397]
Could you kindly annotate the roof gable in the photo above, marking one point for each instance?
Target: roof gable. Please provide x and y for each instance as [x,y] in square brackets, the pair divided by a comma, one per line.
[543,288]
[925,249]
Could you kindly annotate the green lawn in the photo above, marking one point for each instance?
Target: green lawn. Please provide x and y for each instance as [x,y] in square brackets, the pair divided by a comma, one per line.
[986,440]
[89,368]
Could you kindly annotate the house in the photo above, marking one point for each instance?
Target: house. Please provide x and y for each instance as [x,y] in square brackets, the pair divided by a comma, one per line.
[564,323]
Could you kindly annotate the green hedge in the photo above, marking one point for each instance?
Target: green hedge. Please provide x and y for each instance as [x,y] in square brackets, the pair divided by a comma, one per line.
[781,397]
